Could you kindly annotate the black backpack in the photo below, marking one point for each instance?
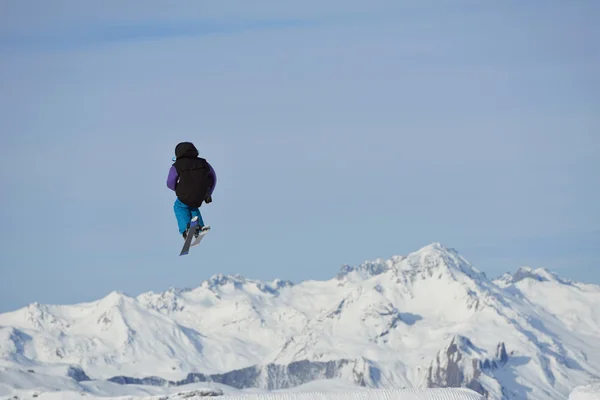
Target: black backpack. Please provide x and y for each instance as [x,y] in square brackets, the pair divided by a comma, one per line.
[195,179]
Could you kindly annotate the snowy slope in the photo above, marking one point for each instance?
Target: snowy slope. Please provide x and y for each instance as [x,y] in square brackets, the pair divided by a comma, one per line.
[381,394]
[428,319]
[587,392]
[373,394]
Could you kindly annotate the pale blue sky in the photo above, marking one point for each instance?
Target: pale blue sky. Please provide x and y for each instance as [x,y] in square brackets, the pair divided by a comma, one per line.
[339,133]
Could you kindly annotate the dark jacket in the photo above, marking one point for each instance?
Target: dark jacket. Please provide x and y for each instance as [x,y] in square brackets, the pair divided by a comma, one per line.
[192,178]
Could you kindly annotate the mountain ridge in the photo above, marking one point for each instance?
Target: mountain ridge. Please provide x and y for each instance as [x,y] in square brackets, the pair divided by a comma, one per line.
[429,318]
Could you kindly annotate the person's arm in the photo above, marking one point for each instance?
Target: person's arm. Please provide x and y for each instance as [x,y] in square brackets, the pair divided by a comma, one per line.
[213,176]
[172,178]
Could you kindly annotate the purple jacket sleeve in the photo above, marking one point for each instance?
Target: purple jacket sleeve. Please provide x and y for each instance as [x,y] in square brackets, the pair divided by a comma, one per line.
[172,178]
[214,176]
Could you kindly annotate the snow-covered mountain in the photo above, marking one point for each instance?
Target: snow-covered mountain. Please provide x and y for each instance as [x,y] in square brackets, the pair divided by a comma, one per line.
[428,319]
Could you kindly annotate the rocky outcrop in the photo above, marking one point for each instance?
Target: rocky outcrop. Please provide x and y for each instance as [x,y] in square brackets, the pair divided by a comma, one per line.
[77,374]
[461,364]
[275,376]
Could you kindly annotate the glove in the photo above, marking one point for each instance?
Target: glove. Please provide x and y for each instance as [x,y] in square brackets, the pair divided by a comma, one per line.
[208,200]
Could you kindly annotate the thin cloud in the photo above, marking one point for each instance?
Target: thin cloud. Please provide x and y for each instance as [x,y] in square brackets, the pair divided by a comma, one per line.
[74,36]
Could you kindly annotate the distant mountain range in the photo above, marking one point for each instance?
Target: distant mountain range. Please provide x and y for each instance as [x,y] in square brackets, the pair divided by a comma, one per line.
[428,319]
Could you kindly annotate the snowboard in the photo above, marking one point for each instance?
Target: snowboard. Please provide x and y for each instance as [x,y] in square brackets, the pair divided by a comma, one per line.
[187,244]
[203,232]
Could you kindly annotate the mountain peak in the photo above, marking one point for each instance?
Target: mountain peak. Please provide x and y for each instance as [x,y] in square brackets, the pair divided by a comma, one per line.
[364,270]
[435,257]
[216,282]
[426,262]
[538,274]
[436,246]
[437,249]
[40,316]
[223,279]
[116,302]
[114,298]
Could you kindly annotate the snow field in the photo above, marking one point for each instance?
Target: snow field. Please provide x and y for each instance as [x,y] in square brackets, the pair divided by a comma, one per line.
[374,394]
[587,392]
[383,394]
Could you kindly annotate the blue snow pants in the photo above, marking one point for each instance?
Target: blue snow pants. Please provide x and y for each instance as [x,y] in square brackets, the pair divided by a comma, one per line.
[184,215]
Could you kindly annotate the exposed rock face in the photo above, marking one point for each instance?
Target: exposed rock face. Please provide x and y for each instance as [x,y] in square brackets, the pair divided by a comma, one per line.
[461,365]
[77,374]
[274,376]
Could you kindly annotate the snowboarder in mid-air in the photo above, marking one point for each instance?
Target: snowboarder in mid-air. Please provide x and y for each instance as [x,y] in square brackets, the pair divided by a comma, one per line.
[193,180]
